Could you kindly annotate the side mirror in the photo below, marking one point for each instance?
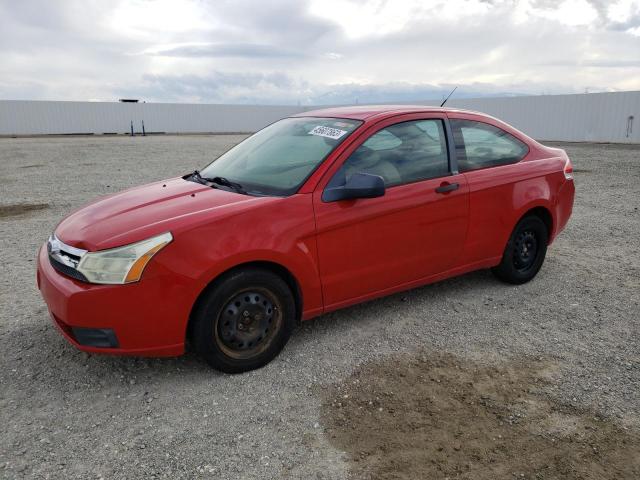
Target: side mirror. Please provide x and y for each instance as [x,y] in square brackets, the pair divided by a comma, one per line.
[360,185]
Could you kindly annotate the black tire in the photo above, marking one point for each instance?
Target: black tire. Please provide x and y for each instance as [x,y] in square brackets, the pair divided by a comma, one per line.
[525,251]
[243,320]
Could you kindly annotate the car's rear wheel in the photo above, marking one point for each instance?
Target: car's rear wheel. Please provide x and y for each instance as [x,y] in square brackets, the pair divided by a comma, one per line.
[525,251]
[244,320]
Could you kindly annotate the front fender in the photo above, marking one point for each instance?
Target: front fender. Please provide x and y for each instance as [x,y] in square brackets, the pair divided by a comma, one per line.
[281,232]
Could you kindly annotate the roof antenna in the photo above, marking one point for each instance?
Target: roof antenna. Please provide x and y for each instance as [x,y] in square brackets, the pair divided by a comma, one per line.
[445,100]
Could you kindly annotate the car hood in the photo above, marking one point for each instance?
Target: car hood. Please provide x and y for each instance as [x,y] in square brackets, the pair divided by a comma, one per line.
[145,211]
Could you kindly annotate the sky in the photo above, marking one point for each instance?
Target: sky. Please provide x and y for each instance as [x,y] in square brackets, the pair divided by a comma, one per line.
[314,51]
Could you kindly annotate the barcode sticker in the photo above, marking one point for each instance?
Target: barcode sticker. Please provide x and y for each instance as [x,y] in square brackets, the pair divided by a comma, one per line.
[328,132]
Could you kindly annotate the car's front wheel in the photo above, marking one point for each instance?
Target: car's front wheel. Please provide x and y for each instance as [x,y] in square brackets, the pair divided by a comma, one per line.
[244,320]
[525,251]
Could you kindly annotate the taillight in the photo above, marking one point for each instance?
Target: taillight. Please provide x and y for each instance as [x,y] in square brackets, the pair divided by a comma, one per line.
[568,170]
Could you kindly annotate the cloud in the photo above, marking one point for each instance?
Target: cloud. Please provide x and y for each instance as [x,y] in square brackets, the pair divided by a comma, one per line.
[625,64]
[219,87]
[325,51]
[247,50]
[632,22]
[280,89]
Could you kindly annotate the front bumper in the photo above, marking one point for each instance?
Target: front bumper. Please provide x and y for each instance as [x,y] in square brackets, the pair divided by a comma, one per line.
[147,318]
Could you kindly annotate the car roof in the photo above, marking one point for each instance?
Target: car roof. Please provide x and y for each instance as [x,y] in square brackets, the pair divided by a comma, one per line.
[363,112]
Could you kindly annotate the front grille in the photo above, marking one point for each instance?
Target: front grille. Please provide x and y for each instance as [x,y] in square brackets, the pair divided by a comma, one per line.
[65,258]
[67,270]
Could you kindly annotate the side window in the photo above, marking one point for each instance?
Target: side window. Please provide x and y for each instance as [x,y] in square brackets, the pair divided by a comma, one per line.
[480,145]
[402,153]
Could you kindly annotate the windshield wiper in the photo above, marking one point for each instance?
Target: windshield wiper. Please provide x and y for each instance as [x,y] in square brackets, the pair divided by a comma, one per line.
[225,183]
[197,177]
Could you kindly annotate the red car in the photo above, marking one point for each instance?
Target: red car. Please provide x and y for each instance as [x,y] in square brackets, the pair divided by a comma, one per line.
[313,213]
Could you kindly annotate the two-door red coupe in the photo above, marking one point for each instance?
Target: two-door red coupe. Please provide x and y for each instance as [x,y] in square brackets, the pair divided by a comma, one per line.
[313,213]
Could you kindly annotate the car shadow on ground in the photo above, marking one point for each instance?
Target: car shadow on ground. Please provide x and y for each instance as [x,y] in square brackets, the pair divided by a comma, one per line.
[43,351]
[398,304]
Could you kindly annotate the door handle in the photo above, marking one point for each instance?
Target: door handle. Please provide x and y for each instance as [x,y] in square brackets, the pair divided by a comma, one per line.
[447,187]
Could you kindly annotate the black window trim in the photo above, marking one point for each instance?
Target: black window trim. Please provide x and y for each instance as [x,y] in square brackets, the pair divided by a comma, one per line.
[452,161]
[451,148]
[454,145]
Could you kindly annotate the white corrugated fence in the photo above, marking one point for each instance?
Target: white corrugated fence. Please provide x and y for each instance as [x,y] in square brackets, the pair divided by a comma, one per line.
[596,117]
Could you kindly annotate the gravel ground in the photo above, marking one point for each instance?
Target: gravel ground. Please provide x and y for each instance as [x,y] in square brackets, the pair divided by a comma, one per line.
[65,414]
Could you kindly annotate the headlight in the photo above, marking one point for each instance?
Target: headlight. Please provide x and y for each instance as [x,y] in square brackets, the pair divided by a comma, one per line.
[122,264]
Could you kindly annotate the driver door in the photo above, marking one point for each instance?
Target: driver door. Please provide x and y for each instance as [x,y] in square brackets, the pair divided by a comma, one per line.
[373,246]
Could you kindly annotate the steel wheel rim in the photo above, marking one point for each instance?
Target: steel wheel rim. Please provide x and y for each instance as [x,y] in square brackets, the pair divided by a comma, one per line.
[526,250]
[248,323]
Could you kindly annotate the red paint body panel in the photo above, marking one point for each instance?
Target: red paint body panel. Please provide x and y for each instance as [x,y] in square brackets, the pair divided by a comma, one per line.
[371,245]
[339,253]
[143,314]
[141,212]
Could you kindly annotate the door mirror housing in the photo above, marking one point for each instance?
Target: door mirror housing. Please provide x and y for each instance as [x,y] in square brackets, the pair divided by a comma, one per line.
[360,185]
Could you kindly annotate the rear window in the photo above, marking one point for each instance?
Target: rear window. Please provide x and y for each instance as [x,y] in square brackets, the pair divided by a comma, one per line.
[480,145]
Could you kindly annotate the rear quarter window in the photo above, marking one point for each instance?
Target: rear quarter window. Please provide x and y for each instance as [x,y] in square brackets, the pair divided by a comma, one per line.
[480,145]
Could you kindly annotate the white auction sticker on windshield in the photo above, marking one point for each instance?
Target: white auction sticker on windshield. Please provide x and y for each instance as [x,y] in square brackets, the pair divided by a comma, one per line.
[328,132]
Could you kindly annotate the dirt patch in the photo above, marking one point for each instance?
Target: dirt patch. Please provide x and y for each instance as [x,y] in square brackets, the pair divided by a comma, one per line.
[21,209]
[437,416]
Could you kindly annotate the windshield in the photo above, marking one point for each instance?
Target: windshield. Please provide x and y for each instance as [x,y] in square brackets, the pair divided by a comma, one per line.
[279,158]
